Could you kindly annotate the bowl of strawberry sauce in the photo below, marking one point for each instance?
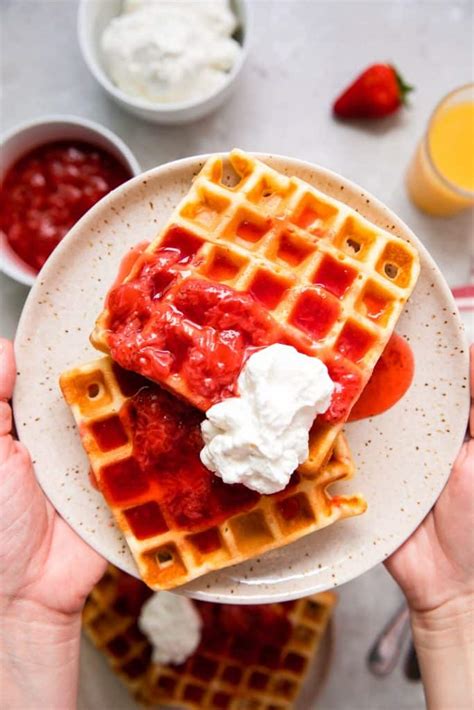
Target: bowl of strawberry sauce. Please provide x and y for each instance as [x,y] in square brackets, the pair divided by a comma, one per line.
[53,171]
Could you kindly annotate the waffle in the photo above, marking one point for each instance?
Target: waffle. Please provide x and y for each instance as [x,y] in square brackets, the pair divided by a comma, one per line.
[229,670]
[325,279]
[181,521]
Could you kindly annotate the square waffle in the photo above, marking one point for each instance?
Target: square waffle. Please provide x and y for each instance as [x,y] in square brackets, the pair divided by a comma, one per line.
[292,264]
[179,519]
[230,669]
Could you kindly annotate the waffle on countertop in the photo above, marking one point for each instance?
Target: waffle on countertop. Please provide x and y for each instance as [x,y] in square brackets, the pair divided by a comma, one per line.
[179,519]
[324,278]
[258,663]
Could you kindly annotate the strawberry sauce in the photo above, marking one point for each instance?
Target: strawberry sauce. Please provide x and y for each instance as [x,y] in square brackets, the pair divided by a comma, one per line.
[246,633]
[390,380]
[164,322]
[167,440]
[165,463]
[255,633]
[48,190]
[128,262]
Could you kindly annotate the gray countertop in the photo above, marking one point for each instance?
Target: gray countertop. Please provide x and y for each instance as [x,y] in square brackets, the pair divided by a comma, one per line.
[302,54]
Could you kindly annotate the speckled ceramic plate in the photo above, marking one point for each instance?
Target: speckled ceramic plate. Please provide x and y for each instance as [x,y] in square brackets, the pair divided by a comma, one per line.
[403,457]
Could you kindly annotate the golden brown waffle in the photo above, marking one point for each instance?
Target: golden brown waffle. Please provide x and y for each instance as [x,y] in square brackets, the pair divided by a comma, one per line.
[333,282]
[170,546]
[230,670]
[110,618]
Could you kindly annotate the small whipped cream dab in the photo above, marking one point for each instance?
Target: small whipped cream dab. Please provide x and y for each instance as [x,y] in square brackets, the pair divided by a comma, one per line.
[169,51]
[260,437]
[172,625]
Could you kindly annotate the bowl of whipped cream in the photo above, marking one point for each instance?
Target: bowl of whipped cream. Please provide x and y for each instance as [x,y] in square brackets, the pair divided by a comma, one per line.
[166,61]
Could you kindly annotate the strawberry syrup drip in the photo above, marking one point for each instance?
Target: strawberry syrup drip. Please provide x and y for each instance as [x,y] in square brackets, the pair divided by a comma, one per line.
[390,380]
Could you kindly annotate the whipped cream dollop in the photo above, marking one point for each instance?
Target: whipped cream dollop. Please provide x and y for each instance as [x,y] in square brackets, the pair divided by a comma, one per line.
[170,50]
[260,437]
[172,625]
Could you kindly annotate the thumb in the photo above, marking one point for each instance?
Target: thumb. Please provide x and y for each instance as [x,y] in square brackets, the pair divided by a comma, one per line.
[7,380]
[7,369]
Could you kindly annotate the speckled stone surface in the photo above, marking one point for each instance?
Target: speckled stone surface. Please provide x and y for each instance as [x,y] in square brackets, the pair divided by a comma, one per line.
[303,53]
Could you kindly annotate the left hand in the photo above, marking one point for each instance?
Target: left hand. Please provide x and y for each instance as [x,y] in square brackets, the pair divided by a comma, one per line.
[46,571]
[41,558]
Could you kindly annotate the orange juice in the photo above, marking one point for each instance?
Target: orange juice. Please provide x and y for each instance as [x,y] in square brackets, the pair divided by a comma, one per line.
[440,179]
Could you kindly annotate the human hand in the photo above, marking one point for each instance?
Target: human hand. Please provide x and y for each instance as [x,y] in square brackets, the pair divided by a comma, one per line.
[435,569]
[46,571]
[435,566]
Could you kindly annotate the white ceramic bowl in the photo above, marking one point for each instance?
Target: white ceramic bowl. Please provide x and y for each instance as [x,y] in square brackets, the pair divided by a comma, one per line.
[94,16]
[30,135]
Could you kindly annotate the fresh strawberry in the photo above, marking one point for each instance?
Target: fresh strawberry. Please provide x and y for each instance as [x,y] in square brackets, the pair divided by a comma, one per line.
[377,92]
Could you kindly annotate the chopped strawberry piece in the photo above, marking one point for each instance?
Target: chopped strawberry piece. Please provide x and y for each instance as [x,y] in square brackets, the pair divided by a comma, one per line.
[348,385]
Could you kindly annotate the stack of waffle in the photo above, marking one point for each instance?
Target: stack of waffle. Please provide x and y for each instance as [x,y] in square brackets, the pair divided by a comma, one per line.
[167,551]
[260,663]
[317,275]
[333,283]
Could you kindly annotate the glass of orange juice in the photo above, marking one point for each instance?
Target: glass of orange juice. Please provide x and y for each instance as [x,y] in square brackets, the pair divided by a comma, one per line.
[440,178]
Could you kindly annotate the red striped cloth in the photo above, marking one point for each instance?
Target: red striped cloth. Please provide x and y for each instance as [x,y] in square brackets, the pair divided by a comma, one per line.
[464,296]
